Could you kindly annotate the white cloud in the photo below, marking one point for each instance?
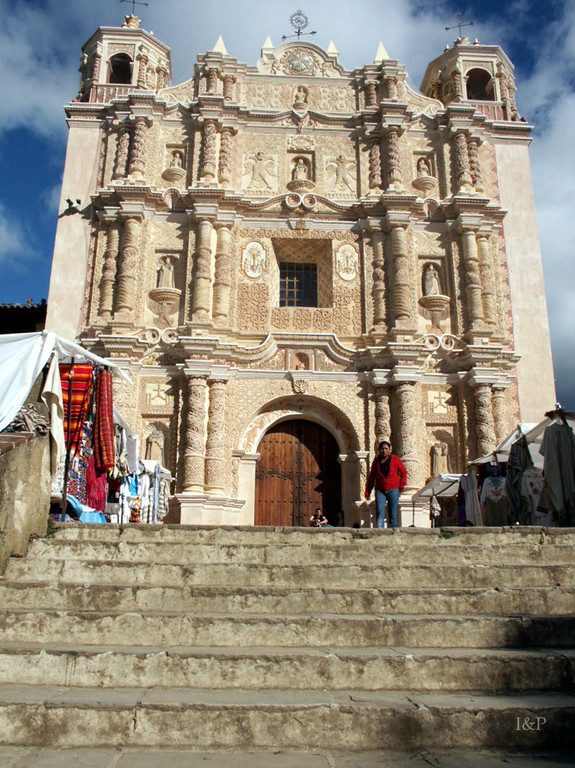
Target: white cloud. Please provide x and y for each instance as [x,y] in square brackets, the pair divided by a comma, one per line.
[13,239]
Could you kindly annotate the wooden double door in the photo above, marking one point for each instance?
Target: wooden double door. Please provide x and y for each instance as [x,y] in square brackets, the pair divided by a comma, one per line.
[298,471]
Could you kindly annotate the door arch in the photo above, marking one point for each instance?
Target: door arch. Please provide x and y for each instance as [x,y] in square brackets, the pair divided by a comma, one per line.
[297,472]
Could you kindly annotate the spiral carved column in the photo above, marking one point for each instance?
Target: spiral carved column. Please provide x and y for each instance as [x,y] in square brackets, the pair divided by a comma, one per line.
[382,414]
[408,428]
[487,280]
[203,273]
[375,179]
[484,425]
[394,179]
[462,167]
[163,77]
[457,85]
[378,279]
[209,151]
[222,281]
[137,164]
[391,87]
[126,295]
[194,434]
[109,271]
[212,80]
[474,163]
[122,149]
[370,93]
[215,444]
[96,61]
[225,162]
[229,81]
[143,62]
[472,278]
[401,279]
[499,414]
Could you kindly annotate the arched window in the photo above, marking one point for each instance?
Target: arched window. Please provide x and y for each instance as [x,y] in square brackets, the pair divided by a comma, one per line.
[120,69]
[480,85]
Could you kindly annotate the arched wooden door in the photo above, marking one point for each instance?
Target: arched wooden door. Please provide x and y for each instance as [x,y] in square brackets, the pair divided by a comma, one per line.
[298,471]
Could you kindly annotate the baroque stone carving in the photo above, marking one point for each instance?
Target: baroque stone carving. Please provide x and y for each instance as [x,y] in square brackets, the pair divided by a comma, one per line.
[194,434]
[122,149]
[484,425]
[254,259]
[346,262]
[109,271]
[340,174]
[300,61]
[260,172]
[375,180]
[137,163]
[209,151]
[215,443]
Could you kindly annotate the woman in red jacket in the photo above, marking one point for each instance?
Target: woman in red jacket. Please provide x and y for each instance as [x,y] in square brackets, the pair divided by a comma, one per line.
[389,477]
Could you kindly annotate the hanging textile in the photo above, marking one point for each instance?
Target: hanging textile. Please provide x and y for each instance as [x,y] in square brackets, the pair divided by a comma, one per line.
[78,408]
[494,502]
[558,450]
[519,461]
[104,423]
[531,488]
[472,509]
[96,487]
[78,473]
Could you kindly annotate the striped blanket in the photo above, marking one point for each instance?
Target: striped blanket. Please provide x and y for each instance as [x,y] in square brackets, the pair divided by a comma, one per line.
[81,396]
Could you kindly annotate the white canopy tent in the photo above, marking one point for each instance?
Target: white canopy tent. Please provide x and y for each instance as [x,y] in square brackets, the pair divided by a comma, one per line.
[441,486]
[501,453]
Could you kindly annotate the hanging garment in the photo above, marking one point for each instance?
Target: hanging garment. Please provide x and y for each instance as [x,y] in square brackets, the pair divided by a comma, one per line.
[494,502]
[81,391]
[558,450]
[52,396]
[472,509]
[531,488]
[104,422]
[96,487]
[519,461]
[78,471]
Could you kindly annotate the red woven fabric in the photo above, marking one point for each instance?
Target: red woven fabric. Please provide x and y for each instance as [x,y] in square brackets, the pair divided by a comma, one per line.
[96,487]
[81,391]
[104,423]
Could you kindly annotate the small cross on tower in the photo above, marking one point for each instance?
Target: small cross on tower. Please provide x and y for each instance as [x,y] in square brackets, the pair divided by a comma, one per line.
[460,23]
[134,4]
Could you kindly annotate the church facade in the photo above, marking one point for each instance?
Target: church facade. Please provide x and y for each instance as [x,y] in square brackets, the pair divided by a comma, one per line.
[296,261]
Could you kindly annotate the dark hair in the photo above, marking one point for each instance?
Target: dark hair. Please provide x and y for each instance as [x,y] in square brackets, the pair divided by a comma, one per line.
[384,442]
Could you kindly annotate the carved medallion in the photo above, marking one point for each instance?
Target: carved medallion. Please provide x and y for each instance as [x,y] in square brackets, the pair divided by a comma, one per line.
[254,259]
[346,262]
[299,62]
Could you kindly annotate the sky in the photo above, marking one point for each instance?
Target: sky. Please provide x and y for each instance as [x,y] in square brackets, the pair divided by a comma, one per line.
[40,42]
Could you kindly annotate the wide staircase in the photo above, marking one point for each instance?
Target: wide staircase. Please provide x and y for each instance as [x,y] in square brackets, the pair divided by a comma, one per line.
[303,639]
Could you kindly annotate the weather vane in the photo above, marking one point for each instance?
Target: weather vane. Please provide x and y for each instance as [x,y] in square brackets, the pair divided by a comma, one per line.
[299,22]
[134,4]
[460,23]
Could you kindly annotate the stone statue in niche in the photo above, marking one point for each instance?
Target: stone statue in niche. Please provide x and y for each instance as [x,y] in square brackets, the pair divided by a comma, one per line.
[439,459]
[254,259]
[155,446]
[177,160]
[165,277]
[342,173]
[301,170]
[301,96]
[431,284]
[175,172]
[262,170]
[423,168]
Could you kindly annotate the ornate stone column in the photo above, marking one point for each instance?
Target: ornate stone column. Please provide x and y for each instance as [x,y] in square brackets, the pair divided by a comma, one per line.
[216,461]
[162,77]
[394,178]
[137,163]
[474,163]
[375,179]
[488,292]
[109,271]
[96,61]
[391,87]
[209,151]
[194,434]
[212,76]
[499,414]
[382,414]
[484,426]
[462,168]
[229,81]
[222,281]
[378,279]
[401,278]
[203,273]
[225,162]
[127,273]
[457,84]
[122,149]
[371,93]
[472,278]
[408,427]
[143,62]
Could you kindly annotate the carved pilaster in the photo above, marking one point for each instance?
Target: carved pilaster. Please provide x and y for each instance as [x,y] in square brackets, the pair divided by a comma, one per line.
[122,149]
[371,93]
[484,426]
[96,62]
[457,84]
[225,162]
[472,278]
[203,273]
[143,62]
[382,414]
[462,169]
[401,278]
[408,428]
[394,178]
[474,163]
[137,164]
[499,413]
[222,279]
[209,151]
[375,179]
[125,298]
[215,445]
[162,77]
[212,75]
[229,82]
[194,434]
[378,279]
[109,271]
[391,87]
[487,280]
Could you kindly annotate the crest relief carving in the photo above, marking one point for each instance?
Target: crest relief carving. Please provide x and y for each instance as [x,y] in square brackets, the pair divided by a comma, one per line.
[260,172]
[346,262]
[254,260]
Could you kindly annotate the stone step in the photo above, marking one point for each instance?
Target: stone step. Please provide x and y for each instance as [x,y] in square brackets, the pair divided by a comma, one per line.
[437,631]
[374,551]
[536,601]
[354,720]
[302,668]
[295,576]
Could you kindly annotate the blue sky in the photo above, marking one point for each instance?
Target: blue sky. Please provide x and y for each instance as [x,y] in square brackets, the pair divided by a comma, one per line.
[40,43]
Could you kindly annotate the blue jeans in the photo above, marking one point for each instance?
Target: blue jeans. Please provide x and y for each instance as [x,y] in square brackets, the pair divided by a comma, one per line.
[381,499]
